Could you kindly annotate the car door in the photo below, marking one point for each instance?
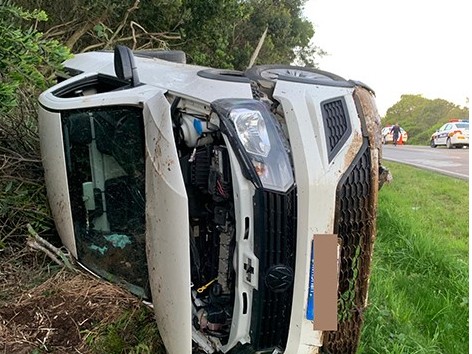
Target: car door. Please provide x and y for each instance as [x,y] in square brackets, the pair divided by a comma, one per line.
[441,135]
[116,192]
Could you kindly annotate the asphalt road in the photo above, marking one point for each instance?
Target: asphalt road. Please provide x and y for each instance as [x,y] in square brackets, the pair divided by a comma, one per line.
[451,162]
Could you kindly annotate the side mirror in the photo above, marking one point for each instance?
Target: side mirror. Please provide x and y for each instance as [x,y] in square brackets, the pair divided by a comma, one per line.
[125,67]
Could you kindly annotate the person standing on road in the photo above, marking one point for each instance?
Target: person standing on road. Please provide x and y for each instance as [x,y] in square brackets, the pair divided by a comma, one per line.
[396,133]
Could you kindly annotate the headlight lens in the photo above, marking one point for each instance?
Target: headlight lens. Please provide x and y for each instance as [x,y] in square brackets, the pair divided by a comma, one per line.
[257,132]
[252,131]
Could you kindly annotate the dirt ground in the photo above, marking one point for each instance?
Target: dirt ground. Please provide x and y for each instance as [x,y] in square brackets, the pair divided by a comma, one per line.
[46,309]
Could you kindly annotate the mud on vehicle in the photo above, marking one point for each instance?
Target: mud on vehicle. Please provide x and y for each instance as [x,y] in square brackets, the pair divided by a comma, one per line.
[200,190]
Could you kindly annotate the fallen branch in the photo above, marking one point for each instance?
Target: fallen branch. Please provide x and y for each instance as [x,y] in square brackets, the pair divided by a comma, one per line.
[55,32]
[37,242]
[153,35]
[123,23]
[74,38]
[258,48]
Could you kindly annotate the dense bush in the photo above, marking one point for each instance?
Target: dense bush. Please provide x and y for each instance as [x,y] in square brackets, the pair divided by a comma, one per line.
[27,61]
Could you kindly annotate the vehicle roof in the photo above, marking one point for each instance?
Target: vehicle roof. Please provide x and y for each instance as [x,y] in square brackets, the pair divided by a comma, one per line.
[460,123]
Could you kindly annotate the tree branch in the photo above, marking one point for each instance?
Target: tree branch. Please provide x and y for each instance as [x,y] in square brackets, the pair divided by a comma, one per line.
[37,242]
[156,36]
[123,23]
[258,48]
[84,29]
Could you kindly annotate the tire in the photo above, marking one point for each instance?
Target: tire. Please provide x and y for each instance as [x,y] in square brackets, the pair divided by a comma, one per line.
[175,56]
[267,75]
[432,144]
[224,75]
[449,143]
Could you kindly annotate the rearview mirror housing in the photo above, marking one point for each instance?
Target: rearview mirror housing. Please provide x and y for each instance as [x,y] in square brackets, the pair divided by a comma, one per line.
[125,66]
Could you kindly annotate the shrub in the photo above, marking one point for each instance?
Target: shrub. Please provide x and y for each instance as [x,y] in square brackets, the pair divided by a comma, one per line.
[27,62]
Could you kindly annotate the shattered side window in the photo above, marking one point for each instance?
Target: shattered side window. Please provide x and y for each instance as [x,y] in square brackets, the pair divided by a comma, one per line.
[104,150]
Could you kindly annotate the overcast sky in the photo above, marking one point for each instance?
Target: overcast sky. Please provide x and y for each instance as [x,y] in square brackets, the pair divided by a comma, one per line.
[397,46]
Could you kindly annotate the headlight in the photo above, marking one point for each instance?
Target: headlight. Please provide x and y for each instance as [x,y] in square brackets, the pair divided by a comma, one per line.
[264,148]
[252,131]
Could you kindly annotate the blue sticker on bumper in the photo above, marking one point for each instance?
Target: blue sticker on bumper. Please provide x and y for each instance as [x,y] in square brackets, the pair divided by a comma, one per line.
[310,308]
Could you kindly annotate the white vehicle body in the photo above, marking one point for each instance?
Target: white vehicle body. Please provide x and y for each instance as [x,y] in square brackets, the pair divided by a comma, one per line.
[452,134]
[201,190]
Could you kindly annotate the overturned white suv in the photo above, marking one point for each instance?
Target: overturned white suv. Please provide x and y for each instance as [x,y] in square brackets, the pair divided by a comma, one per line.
[201,190]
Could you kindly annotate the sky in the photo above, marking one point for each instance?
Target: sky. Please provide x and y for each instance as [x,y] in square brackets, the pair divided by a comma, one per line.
[397,46]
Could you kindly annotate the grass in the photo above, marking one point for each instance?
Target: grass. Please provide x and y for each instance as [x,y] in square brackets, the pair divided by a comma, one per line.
[135,332]
[418,300]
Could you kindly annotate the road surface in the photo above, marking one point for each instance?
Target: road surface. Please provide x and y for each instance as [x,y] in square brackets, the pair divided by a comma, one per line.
[451,162]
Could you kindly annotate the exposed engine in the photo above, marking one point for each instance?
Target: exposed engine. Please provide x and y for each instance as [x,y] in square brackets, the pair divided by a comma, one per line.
[206,169]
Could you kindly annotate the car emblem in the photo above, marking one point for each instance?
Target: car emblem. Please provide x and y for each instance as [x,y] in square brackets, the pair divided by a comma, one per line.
[279,278]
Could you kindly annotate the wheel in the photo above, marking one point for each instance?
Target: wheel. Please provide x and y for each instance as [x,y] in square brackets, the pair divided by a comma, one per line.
[432,144]
[266,75]
[224,75]
[449,143]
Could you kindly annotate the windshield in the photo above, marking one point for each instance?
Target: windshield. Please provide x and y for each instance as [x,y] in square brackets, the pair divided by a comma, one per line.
[104,150]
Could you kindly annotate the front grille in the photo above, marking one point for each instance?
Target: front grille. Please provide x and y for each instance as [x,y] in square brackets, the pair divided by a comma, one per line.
[336,125]
[274,244]
[354,226]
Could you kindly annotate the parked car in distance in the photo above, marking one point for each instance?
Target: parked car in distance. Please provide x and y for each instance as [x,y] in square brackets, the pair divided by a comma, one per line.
[387,135]
[453,134]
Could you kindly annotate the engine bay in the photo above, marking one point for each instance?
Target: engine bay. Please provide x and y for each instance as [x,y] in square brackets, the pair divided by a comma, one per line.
[206,171]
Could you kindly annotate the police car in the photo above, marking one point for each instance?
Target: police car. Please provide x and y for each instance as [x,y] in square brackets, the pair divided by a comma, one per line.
[454,133]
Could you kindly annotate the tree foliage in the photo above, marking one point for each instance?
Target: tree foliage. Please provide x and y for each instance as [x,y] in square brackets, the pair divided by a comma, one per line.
[220,34]
[26,61]
[25,56]
[421,116]
[225,34]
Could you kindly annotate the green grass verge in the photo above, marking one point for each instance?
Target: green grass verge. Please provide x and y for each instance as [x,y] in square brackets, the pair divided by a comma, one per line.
[134,332]
[418,297]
